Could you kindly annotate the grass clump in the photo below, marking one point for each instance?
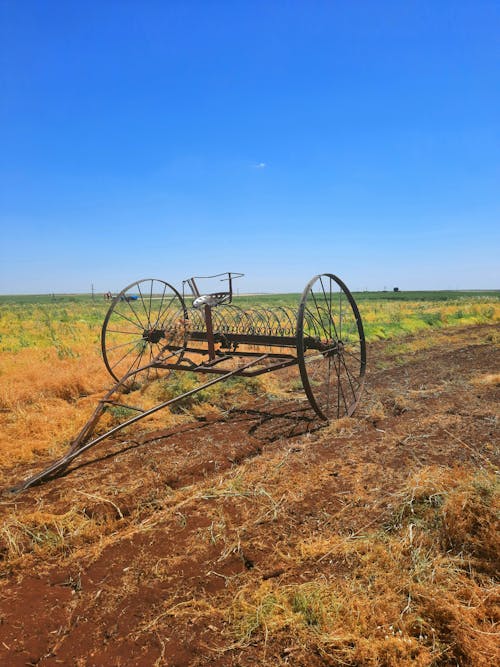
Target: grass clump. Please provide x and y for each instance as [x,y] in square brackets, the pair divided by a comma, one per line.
[44,534]
[222,396]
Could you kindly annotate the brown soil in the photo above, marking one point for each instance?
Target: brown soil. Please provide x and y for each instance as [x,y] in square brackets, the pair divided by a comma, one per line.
[141,549]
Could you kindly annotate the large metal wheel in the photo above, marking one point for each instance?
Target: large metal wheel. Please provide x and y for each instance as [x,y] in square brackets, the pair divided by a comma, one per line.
[331,349]
[147,320]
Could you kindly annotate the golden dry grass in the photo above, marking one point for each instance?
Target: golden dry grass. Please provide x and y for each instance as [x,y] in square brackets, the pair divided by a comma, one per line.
[44,400]
[420,591]
[487,379]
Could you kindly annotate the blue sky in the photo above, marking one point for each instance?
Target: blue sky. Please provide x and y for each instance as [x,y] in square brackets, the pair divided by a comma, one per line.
[280,139]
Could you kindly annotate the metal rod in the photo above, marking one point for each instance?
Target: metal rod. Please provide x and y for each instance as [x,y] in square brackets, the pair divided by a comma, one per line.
[210,333]
[213,370]
[238,353]
[246,339]
[63,462]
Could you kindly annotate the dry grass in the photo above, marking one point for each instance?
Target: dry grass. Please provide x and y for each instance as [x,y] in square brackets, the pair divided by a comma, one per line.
[419,592]
[492,379]
[45,400]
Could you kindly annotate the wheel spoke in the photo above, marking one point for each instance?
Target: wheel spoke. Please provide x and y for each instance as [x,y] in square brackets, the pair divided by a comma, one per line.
[160,315]
[329,302]
[313,316]
[340,316]
[339,375]
[131,351]
[349,377]
[329,311]
[330,294]
[328,384]
[137,359]
[129,333]
[150,304]
[352,355]
[159,308]
[117,312]
[144,306]
[115,347]
[135,314]
[338,398]
[148,370]
[320,322]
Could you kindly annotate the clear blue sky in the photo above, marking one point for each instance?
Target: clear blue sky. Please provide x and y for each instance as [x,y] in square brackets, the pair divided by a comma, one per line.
[281,139]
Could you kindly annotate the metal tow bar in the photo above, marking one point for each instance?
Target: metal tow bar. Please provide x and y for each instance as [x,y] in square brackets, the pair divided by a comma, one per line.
[62,463]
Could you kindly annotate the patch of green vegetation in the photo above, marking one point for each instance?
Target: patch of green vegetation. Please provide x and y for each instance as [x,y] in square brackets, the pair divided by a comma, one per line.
[120,412]
[309,605]
[66,324]
[222,394]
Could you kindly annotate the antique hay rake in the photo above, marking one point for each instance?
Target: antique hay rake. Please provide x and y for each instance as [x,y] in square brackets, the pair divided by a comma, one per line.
[150,332]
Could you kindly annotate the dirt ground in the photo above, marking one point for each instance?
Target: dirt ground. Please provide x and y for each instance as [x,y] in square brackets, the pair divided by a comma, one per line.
[148,549]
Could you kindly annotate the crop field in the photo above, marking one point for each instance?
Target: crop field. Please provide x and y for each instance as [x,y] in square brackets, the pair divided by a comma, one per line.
[238,528]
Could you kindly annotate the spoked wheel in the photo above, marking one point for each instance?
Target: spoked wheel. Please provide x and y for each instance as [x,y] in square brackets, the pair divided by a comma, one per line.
[331,349]
[145,321]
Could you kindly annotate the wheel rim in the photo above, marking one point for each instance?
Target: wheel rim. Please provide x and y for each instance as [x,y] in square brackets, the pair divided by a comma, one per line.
[146,320]
[331,347]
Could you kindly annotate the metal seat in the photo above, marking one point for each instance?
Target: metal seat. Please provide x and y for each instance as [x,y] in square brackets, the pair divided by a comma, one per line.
[211,300]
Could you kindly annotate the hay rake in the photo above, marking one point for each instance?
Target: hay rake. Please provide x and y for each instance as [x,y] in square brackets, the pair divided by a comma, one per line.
[150,332]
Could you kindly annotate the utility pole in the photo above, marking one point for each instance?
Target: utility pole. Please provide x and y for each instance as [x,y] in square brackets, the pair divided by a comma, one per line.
[92,288]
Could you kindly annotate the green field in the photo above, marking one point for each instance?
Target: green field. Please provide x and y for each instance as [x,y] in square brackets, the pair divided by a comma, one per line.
[289,298]
[70,321]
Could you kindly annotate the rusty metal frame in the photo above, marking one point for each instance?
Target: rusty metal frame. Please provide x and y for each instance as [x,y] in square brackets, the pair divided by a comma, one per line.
[220,332]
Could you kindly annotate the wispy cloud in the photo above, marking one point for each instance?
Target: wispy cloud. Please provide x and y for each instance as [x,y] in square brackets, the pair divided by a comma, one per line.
[260,165]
